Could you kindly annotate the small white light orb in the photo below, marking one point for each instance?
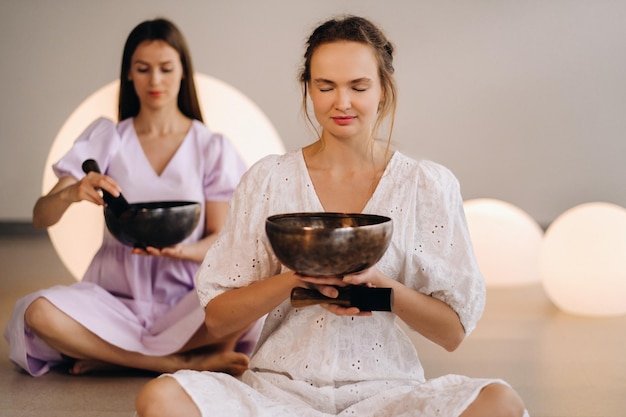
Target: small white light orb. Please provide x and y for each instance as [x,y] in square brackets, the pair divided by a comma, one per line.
[506,242]
[78,235]
[583,260]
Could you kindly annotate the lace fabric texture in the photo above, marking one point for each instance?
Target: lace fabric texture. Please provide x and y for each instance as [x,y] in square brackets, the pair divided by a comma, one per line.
[309,362]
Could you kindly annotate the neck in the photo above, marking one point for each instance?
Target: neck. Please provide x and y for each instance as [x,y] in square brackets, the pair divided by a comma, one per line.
[346,155]
[162,121]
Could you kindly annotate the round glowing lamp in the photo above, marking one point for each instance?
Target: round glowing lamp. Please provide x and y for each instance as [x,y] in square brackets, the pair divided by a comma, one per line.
[78,235]
[583,260]
[506,242]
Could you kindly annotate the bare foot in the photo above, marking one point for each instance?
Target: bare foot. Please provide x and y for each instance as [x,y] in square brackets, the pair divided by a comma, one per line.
[230,362]
[85,366]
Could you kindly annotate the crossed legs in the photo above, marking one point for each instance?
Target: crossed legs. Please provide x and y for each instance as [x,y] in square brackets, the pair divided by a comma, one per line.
[164,397]
[70,338]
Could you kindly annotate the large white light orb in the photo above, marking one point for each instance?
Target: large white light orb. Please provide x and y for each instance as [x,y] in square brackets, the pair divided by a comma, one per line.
[78,235]
[506,242]
[583,260]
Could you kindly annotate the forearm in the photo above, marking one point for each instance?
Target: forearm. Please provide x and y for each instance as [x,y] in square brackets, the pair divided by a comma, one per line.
[49,209]
[429,316]
[215,215]
[196,251]
[237,309]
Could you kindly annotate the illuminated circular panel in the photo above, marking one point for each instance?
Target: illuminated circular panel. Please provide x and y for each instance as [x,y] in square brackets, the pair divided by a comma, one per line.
[506,242]
[583,260]
[78,235]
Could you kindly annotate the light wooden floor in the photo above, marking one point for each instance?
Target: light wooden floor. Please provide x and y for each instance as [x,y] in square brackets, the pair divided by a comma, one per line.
[563,366]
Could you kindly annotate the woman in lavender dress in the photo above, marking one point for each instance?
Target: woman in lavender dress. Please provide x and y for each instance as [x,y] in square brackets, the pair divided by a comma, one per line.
[138,308]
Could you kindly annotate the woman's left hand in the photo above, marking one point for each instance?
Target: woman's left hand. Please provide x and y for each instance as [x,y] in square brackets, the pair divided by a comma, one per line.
[371,277]
[328,287]
[175,251]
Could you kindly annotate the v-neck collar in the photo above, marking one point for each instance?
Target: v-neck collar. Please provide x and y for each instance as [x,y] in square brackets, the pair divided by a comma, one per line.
[174,156]
[315,196]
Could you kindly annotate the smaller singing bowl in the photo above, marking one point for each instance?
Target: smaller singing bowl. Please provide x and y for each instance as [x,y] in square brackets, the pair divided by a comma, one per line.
[158,224]
[328,244]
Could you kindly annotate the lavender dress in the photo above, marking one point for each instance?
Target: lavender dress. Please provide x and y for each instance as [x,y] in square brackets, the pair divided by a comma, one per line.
[138,303]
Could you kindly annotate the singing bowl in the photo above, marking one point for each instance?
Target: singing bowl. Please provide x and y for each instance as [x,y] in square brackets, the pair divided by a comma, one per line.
[328,244]
[158,224]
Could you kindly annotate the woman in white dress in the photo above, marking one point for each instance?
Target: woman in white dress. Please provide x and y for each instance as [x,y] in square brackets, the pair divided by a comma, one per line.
[330,360]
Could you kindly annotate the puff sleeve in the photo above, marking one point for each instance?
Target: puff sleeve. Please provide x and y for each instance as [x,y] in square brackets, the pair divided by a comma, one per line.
[224,169]
[99,141]
[441,261]
[241,254]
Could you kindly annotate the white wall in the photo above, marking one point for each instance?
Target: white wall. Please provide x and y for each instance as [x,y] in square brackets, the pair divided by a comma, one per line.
[524,100]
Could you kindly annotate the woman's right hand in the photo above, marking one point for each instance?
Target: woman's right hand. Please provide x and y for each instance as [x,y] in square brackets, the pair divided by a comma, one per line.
[49,209]
[325,285]
[88,188]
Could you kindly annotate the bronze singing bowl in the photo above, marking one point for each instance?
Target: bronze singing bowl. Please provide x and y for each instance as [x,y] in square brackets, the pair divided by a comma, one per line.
[158,224]
[328,244]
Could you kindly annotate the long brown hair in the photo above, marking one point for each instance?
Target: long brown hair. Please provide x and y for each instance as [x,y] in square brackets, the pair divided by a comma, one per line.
[163,30]
[361,30]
